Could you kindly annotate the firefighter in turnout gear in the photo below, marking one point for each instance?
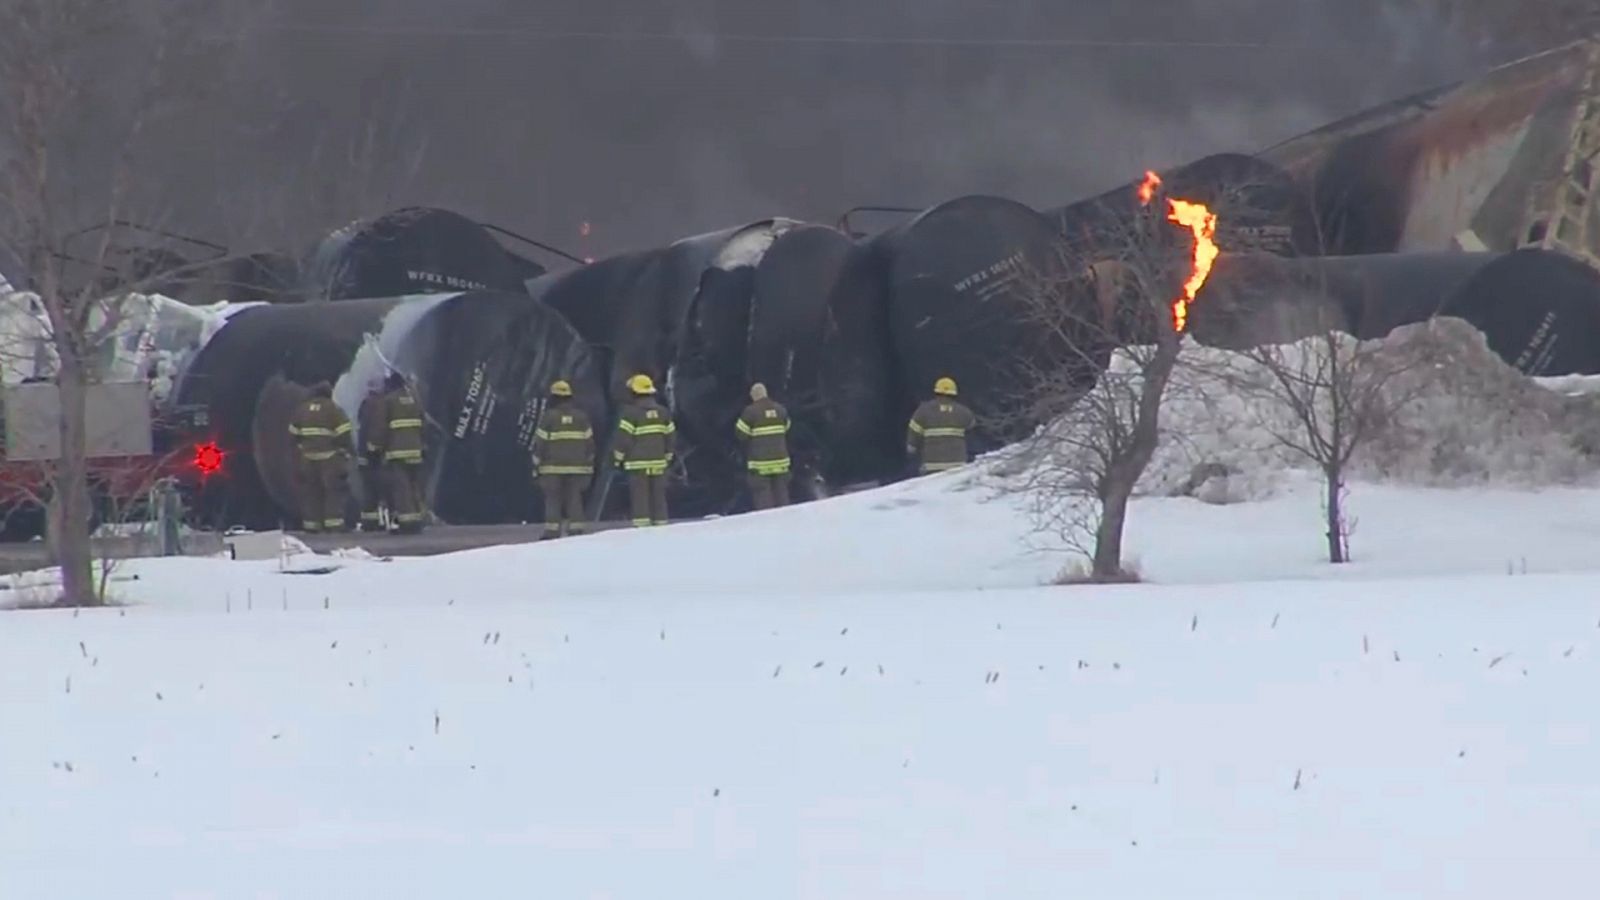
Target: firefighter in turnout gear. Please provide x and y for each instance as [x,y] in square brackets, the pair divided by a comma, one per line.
[563,461]
[936,439]
[321,434]
[369,458]
[643,448]
[401,445]
[763,429]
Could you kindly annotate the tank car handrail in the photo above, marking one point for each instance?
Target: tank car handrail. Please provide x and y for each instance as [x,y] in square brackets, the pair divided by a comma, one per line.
[540,244]
[844,218]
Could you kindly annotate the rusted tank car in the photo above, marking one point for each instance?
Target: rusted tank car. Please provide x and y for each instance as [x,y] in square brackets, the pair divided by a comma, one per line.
[1495,163]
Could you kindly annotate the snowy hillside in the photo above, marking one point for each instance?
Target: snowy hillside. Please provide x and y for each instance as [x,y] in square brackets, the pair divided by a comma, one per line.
[868,697]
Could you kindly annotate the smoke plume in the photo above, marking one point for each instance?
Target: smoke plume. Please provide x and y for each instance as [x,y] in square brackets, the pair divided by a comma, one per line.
[651,121]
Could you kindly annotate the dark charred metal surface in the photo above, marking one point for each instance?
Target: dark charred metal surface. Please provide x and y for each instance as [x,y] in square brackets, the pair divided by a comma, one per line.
[299,343]
[415,250]
[483,363]
[1258,204]
[1538,310]
[963,282]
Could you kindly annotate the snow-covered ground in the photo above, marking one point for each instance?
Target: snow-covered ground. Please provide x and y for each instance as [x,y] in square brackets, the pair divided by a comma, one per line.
[869,697]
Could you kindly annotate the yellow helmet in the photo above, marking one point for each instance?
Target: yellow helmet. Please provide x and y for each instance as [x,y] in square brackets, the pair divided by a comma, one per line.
[641,384]
[945,386]
[560,388]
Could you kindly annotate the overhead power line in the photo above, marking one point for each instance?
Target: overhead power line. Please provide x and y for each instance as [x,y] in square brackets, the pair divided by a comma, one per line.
[531,34]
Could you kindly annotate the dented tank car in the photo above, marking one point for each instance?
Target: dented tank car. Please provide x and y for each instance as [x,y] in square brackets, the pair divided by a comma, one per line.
[757,316]
[702,317]
[483,364]
[479,361]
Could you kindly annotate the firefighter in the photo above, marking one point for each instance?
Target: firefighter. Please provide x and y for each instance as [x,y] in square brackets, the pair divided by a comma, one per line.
[764,431]
[643,449]
[321,433]
[563,461]
[402,455]
[369,456]
[936,439]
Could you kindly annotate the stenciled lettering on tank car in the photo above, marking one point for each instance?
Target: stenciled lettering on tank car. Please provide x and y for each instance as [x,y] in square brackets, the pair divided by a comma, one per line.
[1261,236]
[1010,265]
[1536,353]
[474,388]
[528,421]
[450,281]
[486,408]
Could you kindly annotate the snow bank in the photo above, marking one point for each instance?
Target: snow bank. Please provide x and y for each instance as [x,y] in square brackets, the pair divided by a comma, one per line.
[1472,420]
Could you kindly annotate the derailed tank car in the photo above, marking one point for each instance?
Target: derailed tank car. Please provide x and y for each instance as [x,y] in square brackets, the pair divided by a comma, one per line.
[969,285]
[414,250]
[1259,206]
[248,370]
[758,316]
[681,312]
[480,362]
[1538,310]
[1491,164]
[484,363]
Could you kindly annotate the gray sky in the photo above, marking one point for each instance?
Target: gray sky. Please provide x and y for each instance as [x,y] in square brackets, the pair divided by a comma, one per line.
[896,102]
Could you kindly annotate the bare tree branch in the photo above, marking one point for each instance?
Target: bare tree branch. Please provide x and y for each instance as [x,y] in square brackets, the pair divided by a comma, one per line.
[83,84]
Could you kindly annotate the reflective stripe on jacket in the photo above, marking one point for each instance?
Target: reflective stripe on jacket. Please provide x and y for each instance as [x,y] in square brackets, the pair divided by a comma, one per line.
[320,429]
[763,428]
[645,438]
[937,435]
[563,442]
[402,427]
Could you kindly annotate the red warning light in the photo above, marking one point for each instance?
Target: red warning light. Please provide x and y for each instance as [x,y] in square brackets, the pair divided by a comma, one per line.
[208,458]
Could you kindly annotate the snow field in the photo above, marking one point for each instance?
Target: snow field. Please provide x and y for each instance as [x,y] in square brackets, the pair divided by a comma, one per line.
[700,711]
[1124,742]
[868,697]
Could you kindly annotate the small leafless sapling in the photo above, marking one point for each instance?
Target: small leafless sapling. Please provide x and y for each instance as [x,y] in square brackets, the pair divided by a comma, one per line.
[1326,396]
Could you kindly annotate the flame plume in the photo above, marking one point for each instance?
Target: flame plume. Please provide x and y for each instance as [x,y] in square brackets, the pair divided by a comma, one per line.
[1202,223]
[1147,191]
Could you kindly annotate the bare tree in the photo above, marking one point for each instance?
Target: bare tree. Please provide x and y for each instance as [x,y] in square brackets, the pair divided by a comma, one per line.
[84,86]
[1325,397]
[1109,315]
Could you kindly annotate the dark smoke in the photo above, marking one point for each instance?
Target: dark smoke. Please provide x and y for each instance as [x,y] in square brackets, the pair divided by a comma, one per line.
[462,105]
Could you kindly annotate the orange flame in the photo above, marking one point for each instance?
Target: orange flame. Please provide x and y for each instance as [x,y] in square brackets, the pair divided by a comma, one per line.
[1148,189]
[1202,223]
